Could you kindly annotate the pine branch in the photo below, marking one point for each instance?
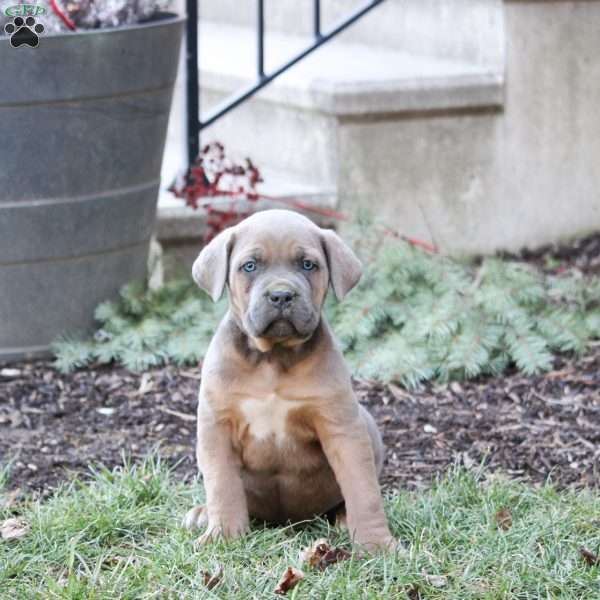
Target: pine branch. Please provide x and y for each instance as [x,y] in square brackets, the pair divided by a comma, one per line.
[413,317]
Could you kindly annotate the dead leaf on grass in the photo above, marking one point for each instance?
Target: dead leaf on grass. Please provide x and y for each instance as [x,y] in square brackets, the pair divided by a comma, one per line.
[436,581]
[288,580]
[590,558]
[14,417]
[456,388]
[467,461]
[414,593]
[13,528]
[504,519]
[321,555]
[212,580]
[10,498]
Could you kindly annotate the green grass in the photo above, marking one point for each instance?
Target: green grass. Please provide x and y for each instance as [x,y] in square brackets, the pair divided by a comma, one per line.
[4,476]
[118,536]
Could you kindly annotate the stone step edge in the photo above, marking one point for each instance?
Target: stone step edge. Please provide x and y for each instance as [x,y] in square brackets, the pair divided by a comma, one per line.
[395,81]
[177,223]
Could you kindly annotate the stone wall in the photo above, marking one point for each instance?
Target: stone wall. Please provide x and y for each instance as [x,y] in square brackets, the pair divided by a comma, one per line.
[523,174]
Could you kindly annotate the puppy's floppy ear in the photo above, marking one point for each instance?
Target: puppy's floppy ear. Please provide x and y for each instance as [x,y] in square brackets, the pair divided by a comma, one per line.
[211,267]
[344,267]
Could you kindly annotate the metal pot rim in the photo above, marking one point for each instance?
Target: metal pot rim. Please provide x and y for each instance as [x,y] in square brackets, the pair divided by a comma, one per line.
[161,19]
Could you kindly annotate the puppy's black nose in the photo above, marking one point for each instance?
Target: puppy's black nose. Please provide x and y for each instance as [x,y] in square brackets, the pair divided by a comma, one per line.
[281,298]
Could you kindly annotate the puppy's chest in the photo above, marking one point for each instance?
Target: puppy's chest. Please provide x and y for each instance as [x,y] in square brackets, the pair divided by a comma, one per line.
[270,418]
[274,435]
[265,418]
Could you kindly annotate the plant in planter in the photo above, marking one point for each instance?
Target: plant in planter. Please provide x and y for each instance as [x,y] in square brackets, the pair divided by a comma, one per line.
[83,125]
[73,15]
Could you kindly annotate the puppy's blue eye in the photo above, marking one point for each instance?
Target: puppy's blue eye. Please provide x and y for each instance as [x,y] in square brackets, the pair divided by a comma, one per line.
[308,265]
[249,266]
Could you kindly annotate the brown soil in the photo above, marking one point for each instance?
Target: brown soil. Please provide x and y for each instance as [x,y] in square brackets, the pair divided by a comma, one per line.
[54,425]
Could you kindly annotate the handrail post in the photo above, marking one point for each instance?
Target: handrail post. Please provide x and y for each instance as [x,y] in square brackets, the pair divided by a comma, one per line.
[195,123]
[193,87]
[317,18]
[260,31]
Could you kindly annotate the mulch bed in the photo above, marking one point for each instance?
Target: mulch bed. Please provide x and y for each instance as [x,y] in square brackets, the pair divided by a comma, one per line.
[582,254]
[54,425]
[530,428]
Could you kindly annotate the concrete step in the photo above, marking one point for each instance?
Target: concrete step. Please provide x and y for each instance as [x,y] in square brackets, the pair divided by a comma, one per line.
[293,124]
[469,169]
[339,81]
[457,29]
[344,78]
[276,189]
[311,131]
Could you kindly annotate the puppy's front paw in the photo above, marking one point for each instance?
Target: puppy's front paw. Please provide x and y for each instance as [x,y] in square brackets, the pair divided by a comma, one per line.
[385,543]
[227,530]
[212,534]
[196,518]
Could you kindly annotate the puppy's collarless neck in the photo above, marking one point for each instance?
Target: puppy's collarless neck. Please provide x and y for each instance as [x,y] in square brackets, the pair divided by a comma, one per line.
[280,355]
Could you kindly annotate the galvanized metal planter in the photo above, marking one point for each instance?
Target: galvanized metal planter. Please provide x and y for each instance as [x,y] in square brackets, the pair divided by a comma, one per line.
[83,119]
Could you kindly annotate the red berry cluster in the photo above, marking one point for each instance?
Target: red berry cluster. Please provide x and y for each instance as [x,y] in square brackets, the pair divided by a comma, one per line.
[225,189]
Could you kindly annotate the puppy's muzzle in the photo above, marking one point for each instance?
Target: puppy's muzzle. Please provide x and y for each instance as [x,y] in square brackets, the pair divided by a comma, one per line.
[282,309]
[280,301]
[281,298]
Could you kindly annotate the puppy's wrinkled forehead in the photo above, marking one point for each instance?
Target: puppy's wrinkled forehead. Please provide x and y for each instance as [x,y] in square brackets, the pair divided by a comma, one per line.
[273,237]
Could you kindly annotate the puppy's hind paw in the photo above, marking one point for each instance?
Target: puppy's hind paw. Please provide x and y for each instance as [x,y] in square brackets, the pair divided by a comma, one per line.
[196,518]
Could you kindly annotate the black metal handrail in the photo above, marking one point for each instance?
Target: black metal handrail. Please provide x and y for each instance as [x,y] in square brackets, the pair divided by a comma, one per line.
[196,124]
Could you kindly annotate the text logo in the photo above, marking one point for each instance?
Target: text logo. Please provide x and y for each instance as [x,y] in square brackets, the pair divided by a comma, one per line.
[25,10]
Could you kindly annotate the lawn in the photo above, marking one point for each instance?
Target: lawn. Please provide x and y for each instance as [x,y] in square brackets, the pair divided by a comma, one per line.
[472,535]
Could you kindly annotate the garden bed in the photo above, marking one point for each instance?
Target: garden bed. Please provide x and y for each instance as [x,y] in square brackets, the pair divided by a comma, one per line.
[53,425]
[529,427]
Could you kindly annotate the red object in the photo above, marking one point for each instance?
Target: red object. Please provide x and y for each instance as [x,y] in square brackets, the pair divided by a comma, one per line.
[62,16]
[207,178]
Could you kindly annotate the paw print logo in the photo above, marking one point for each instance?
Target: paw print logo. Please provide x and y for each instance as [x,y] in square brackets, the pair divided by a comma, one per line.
[24,32]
